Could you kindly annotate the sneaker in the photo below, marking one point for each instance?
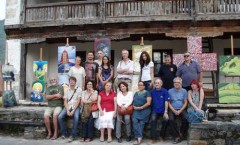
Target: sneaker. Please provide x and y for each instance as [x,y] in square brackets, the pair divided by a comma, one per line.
[128,139]
[119,140]
[176,141]
[71,138]
[63,137]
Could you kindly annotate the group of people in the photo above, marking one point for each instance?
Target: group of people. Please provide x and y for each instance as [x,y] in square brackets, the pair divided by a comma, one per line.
[91,100]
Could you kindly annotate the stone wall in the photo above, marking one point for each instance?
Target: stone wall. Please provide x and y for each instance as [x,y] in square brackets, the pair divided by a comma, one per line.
[214,133]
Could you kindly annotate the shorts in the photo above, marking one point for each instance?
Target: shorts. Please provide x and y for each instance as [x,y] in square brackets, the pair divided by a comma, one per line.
[50,110]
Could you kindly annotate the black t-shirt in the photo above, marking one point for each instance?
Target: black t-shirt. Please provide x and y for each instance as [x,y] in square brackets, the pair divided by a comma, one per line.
[91,69]
[167,73]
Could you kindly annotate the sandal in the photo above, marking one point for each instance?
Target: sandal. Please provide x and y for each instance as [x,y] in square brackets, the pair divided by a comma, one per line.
[136,142]
[48,137]
[88,140]
[82,140]
[54,138]
[101,139]
[109,140]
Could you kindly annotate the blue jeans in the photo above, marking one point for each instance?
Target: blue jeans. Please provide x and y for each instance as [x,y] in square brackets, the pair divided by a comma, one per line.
[147,85]
[154,118]
[61,119]
[138,126]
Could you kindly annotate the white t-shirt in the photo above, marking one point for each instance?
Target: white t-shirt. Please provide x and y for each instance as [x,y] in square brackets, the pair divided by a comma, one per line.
[124,100]
[125,65]
[79,74]
[146,72]
[75,97]
[98,61]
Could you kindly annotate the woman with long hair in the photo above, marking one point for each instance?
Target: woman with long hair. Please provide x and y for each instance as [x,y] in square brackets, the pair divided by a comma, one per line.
[89,96]
[147,70]
[105,72]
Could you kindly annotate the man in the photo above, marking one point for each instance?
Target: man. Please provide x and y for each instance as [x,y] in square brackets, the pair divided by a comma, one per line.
[189,70]
[177,105]
[160,100]
[1,80]
[100,56]
[125,69]
[167,72]
[72,100]
[54,94]
[91,69]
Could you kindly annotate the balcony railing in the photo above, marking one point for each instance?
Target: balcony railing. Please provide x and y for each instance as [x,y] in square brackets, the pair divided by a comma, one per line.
[101,11]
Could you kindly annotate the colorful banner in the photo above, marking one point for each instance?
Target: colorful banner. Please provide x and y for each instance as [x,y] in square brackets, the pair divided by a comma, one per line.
[229,92]
[63,80]
[103,44]
[229,65]
[136,52]
[194,44]
[66,58]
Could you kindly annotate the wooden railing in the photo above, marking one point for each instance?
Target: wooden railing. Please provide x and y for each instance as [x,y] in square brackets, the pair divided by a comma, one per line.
[217,6]
[101,10]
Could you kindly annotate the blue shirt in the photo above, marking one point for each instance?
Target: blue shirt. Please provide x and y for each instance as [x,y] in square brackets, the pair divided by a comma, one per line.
[177,97]
[158,100]
[188,72]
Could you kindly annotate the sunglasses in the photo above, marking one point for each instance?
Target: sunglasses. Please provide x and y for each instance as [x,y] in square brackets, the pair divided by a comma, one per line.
[186,55]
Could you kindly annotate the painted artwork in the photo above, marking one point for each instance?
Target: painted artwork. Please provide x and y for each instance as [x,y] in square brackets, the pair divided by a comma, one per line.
[229,65]
[229,92]
[40,69]
[194,44]
[208,61]
[136,52]
[66,58]
[63,80]
[103,44]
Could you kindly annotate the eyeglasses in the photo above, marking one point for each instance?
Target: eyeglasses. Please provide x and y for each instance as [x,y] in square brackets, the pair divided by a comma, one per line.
[140,85]
[186,55]
[177,82]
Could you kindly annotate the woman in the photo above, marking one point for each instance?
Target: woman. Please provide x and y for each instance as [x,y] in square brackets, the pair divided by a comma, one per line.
[124,100]
[141,111]
[195,99]
[78,72]
[147,68]
[105,72]
[89,96]
[107,105]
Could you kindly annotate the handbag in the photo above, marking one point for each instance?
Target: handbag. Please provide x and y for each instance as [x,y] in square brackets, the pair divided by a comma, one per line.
[94,107]
[128,111]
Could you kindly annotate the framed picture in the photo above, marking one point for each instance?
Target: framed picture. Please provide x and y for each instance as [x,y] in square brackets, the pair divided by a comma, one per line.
[66,58]
[103,44]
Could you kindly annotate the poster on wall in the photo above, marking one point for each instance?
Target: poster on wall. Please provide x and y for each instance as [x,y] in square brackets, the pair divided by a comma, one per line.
[40,69]
[136,52]
[229,92]
[63,81]
[103,44]
[66,58]
[229,65]
[194,44]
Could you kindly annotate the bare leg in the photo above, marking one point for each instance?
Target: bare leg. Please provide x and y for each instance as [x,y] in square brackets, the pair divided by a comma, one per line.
[47,124]
[102,134]
[10,85]
[55,124]
[109,134]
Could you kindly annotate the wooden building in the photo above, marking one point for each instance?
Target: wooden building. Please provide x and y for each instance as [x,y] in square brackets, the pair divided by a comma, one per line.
[164,24]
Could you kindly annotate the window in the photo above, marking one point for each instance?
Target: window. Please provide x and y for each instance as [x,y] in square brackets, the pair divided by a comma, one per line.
[158,59]
[227,51]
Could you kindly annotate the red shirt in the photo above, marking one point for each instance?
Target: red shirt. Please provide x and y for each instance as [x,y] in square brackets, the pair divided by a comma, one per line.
[107,101]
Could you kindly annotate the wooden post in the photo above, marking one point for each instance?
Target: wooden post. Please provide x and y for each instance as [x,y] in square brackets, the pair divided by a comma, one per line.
[40,58]
[142,41]
[232,48]
[67,42]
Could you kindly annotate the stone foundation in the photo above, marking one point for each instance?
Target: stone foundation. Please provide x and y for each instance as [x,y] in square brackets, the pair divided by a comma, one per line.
[214,133]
